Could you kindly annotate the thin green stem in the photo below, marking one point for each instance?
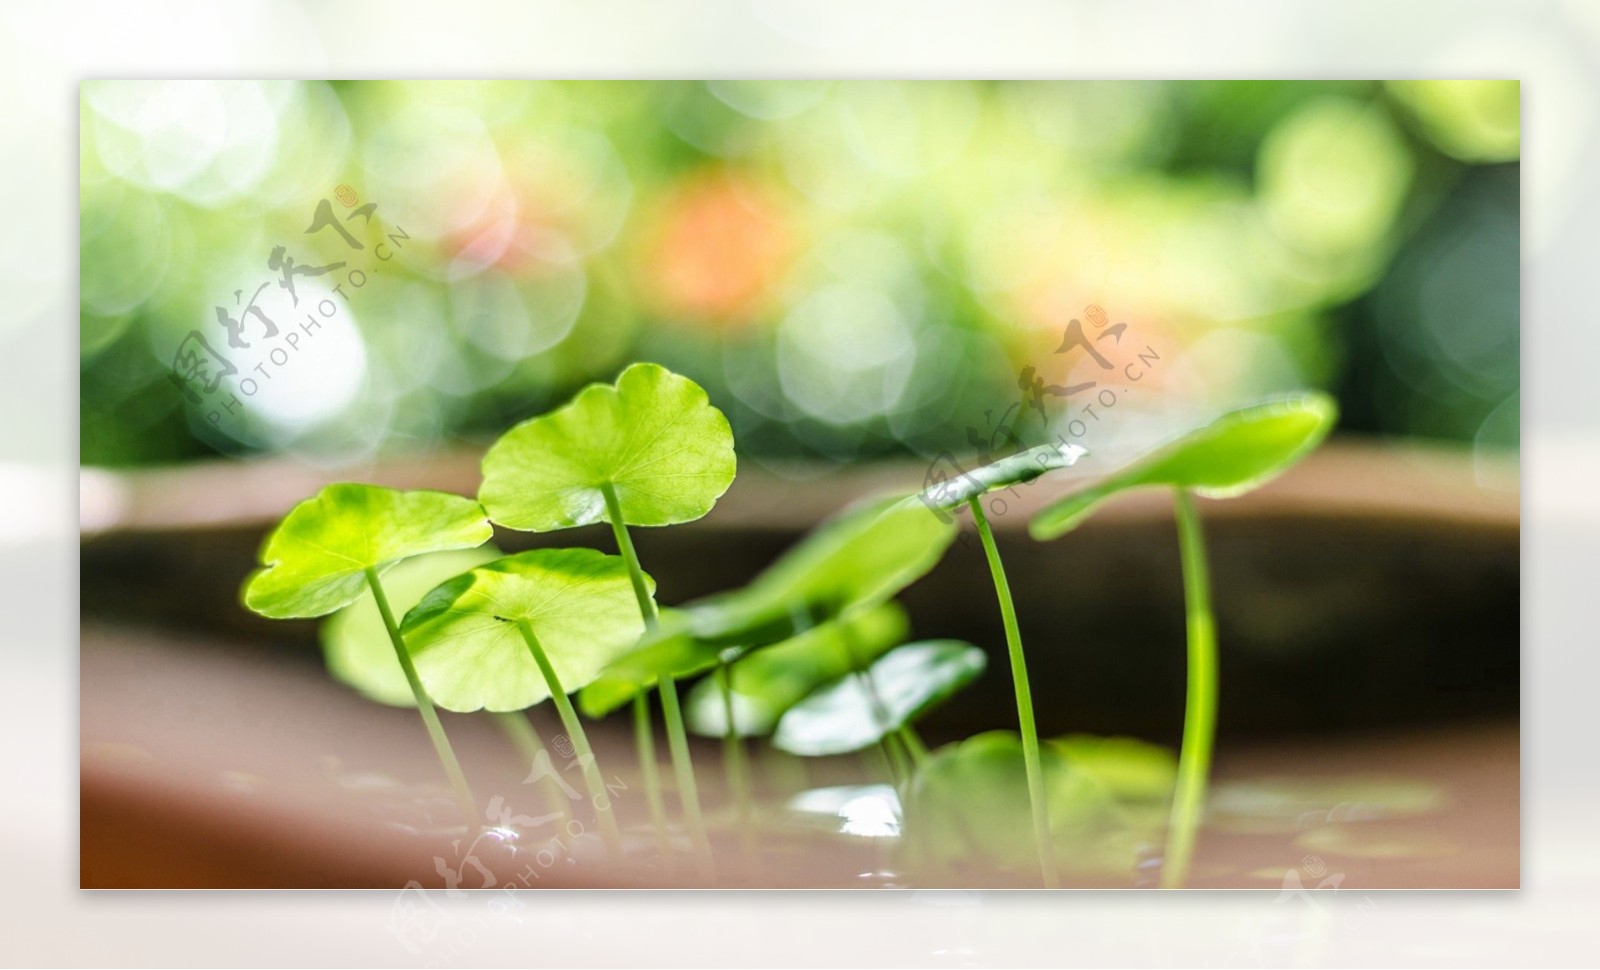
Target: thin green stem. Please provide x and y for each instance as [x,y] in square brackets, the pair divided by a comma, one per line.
[880,762]
[898,756]
[1200,704]
[643,731]
[644,739]
[1019,681]
[677,735]
[683,771]
[733,747]
[531,747]
[913,743]
[592,778]
[733,758]
[899,763]
[430,717]
[897,760]
[619,529]
[862,671]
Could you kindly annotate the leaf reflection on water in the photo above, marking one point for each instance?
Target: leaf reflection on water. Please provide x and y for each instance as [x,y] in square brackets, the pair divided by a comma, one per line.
[867,811]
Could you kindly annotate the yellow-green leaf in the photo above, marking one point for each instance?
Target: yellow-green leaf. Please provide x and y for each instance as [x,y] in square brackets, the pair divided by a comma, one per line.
[355,645]
[653,438]
[315,561]
[466,638]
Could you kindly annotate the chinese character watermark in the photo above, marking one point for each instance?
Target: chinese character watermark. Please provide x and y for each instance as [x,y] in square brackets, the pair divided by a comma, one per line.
[1123,364]
[511,851]
[271,323]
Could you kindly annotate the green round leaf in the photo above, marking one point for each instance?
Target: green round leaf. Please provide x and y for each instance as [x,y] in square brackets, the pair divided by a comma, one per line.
[970,806]
[466,640]
[970,801]
[1237,452]
[770,681]
[355,644]
[1132,770]
[858,710]
[315,561]
[1024,466]
[653,437]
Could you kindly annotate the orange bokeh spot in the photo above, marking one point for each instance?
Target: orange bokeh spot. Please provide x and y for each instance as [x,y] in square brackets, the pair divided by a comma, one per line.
[719,249]
[1120,336]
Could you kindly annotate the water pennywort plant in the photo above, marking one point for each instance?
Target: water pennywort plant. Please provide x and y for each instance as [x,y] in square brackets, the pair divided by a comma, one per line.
[811,651]
[649,450]
[859,558]
[969,489]
[855,560]
[332,549]
[1239,451]
[356,648]
[746,696]
[852,562]
[525,628]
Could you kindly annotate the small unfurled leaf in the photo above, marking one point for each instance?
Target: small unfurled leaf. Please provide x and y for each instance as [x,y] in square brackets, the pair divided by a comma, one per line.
[1016,469]
[770,681]
[860,557]
[466,639]
[859,709]
[315,560]
[1237,452]
[355,644]
[653,437]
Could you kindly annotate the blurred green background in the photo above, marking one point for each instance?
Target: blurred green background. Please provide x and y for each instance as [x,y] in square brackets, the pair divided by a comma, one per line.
[852,269]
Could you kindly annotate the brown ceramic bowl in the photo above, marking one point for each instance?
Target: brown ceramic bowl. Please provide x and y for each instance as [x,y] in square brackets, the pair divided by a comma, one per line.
[1368,607]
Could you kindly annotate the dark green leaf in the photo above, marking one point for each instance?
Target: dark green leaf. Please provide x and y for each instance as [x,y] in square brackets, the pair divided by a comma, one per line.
[860,557]
[770,681]
[865,554]
[1232,455]
[858,710]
